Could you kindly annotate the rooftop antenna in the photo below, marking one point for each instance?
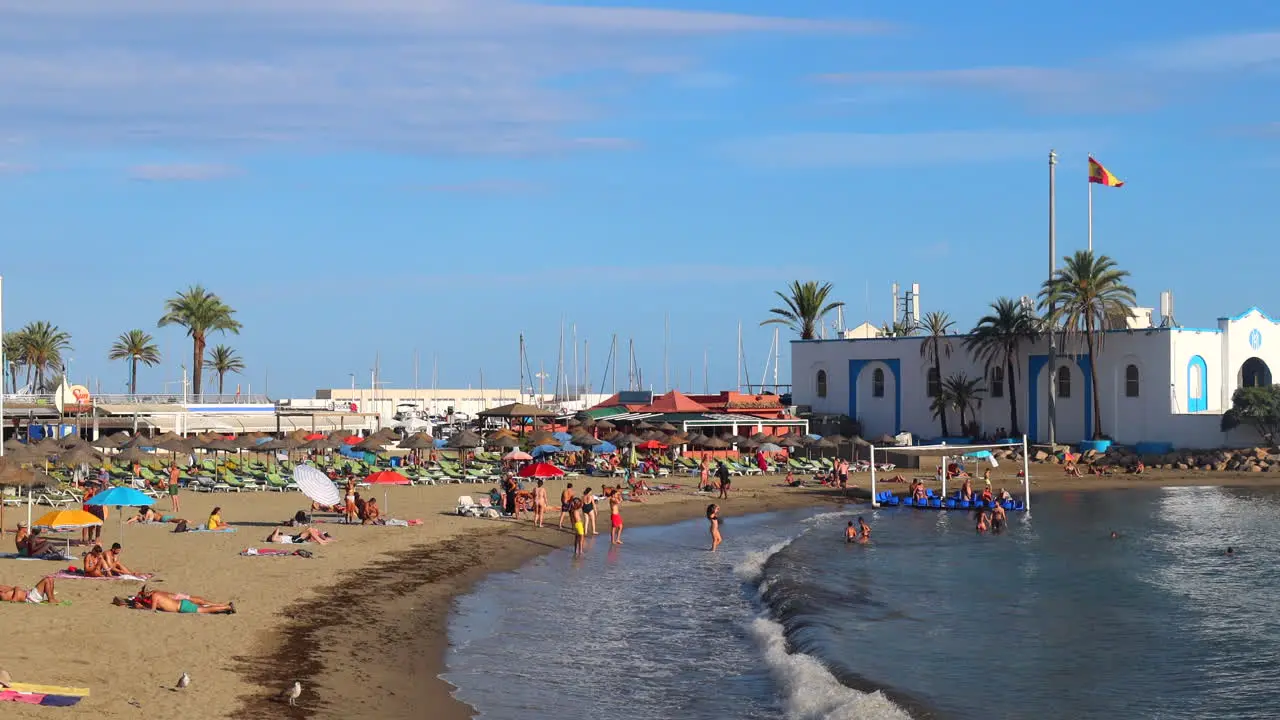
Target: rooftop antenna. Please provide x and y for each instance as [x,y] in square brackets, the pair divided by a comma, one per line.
[1166,309]
[915,304]
[893,316]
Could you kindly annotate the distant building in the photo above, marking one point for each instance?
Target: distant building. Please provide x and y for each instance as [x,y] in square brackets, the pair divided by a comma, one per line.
[864,331]
[463,403]
[733,411]
[1159,385]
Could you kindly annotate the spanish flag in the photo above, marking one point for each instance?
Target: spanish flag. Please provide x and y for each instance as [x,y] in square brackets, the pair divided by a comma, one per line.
[1099,174]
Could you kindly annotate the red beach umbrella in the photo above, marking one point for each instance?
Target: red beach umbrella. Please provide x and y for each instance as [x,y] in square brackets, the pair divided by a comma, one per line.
[651,445]
[387,477]
[352,440]
[540,470]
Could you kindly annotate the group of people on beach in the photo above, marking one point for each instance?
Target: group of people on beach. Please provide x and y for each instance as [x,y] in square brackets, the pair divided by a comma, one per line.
[860,534]
[581,513]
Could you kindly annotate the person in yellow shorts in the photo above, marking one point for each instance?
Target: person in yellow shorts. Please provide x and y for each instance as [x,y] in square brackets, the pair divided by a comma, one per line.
[579,530]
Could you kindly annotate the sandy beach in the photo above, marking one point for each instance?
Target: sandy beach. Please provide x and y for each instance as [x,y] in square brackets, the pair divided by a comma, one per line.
[362,624]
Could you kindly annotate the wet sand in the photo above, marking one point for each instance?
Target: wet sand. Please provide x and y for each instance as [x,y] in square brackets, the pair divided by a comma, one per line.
[362,624]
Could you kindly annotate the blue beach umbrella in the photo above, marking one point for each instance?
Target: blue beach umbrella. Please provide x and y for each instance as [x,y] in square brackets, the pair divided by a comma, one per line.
[562,436]
[604,447]
[545,450]
[121,497]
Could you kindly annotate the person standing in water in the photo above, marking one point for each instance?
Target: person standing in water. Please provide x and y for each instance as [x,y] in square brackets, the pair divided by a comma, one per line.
[615,516]
[850,533]
[566,504]
[864,531]
[579,531]
[539,503]
[713,516]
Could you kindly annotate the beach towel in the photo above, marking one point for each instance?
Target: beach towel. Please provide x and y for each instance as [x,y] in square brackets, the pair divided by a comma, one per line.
[207,530]
[268,552]
[42,699]
[76,574]
[58,558]
[49,689]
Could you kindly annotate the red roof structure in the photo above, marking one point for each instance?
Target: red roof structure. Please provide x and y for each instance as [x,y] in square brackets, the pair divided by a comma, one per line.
[674,402]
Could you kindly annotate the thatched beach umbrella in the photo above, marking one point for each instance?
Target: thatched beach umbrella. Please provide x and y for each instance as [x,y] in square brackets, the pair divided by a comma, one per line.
[715,444]
[642,425]
[418,441]
[502,441]
[84,455]
[761,438]
[173,444]
[668,427]
[132,455]
[735,439]
[465,440]
[12,474]
[111,442]
[605,425]
[585,441]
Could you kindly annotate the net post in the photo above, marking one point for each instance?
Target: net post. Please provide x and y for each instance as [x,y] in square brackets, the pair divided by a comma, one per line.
[874,501]
[1026,475]
[944,476]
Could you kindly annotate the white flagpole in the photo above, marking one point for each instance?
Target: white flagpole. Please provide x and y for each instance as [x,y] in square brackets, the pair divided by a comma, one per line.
[1090,183]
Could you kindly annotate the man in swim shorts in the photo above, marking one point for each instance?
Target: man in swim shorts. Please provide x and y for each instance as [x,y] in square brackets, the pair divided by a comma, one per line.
[579,529]
[41,593]
[566,504]
[161,601]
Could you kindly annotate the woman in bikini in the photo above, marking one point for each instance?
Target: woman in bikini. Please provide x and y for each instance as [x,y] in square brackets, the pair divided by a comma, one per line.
[539,503]
[350,501]
[713,516]
[95,564]
[589,512]
[705,475]
[982,522]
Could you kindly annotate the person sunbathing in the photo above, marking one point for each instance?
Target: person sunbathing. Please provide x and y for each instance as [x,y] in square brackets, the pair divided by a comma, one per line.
[35,546]
[20,537]
[95,563]
[215,520]
[372,514]
[149,515]
[307,535]
[115,567]
[161,601]
[317,507]
[41,593]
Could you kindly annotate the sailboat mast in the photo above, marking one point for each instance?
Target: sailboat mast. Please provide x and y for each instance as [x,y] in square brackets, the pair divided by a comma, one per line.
[739,356]
[706,382]
[777,354]
[560,360]
[613,356]
[586,364]
[666,337]
[520,361]
[574,389]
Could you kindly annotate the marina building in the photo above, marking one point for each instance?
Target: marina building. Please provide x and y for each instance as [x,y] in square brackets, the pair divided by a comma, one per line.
[1164,386]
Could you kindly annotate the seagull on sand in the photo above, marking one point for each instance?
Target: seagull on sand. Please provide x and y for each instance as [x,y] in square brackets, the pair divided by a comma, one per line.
[184,681]
[292,693]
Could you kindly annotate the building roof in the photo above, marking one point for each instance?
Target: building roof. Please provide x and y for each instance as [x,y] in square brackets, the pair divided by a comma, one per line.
[673,402]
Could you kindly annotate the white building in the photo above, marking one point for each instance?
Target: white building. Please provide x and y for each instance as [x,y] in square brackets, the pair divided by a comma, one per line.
[1163,386]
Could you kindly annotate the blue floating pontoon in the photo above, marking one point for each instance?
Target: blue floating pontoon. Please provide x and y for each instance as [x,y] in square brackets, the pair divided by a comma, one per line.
[936,502]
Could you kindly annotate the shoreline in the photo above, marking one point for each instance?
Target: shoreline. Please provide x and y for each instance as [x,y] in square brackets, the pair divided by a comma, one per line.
[363,624]
[414,629]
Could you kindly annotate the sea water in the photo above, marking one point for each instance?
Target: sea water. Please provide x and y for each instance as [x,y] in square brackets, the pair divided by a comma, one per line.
[1051,619]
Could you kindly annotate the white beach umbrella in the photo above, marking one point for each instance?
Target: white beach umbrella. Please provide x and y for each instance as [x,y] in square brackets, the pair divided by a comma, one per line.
[316,485]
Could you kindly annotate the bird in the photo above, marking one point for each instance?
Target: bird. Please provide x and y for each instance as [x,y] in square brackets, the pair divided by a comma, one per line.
[293,692]
[184,681]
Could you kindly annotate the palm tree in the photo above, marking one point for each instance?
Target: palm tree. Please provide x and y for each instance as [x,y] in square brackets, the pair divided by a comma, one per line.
[936,326]
[806,306]
[223,360]
[14,358]
[1084,298]
[41,348]
[996,340]
[200,312]
[135,346]
[964,394]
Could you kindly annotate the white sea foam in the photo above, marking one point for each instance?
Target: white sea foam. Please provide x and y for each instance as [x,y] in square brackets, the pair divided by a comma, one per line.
[809,690]
[752,566]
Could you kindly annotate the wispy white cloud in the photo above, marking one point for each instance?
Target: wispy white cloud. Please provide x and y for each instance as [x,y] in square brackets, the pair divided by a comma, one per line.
[483,187]
[10,168]
[1134,80]
[874,150]
[443,76]
[182,172]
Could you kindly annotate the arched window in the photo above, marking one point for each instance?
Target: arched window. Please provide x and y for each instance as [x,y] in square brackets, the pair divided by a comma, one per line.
[997,382]
[877,382]
[1064,382]
[1131,381]
[822,383]
[1196,381]
[933,386]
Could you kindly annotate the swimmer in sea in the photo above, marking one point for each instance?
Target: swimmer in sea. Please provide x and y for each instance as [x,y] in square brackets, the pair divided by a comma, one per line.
[1231,552]
[850,533]
[1115,535]
[998,518]
[864,534]
[982,522]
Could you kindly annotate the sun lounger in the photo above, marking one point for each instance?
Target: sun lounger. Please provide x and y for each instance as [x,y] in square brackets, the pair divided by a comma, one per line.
[68,575]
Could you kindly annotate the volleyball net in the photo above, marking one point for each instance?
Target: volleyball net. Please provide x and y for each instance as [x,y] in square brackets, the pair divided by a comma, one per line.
[959,454]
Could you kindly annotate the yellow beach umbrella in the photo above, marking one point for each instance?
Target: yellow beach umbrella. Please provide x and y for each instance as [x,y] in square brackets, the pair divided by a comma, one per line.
[67,519]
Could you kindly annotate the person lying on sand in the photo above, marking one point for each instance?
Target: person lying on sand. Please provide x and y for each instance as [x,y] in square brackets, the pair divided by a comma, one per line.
[317,507]
[161,601]
[307,535]
[299,519]
[41,593]
[148,515]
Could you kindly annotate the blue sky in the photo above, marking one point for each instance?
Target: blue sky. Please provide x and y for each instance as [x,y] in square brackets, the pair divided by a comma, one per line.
[391,176]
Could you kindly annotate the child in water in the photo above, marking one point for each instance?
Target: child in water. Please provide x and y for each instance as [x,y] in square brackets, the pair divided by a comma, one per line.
[850,533]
